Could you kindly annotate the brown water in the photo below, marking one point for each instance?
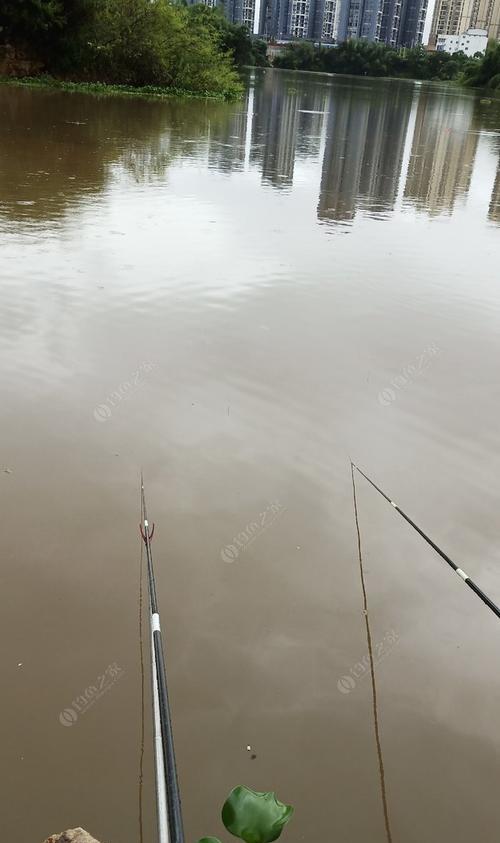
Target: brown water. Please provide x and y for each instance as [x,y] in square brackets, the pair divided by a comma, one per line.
[237,298]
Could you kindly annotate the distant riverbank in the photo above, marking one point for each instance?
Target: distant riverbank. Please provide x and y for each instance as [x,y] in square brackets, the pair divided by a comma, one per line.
[370,59]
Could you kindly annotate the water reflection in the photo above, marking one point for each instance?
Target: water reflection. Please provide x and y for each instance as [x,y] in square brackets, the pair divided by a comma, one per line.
[373,144]
[275,131]
[58,150]
[364,152]
[443,153]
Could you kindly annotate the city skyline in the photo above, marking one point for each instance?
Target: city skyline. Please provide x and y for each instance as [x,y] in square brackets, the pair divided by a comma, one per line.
[398,23]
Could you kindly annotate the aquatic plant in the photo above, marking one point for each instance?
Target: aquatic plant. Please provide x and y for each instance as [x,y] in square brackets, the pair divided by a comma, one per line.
[253,816]
[103,89]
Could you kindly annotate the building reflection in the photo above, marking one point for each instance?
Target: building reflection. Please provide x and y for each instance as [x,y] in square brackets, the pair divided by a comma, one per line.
[363,154]
[384,149]
[343,158]
[443,153]
[226,141]
[276,127]
[369,150]
[375,146]
[313,111]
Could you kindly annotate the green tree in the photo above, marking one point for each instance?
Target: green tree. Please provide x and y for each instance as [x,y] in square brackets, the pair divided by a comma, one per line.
[485,72]
[137,42]
[22,21]
[132,42]
[259,48]
[299,56]
[233,38]
[368,58]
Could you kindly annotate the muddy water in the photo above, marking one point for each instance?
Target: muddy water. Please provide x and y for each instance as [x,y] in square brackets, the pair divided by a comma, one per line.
[237,298]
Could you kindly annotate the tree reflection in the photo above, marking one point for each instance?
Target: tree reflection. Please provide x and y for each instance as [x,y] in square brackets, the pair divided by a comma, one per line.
[59,149]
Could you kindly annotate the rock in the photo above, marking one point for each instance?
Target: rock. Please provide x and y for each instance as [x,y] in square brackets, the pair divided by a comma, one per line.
[73,835]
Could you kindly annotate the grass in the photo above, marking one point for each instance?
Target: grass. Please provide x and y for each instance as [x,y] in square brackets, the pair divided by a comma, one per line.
[103,89]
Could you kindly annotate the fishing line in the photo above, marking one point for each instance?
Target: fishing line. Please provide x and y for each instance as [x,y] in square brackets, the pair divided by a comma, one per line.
[383,791]
[465,577]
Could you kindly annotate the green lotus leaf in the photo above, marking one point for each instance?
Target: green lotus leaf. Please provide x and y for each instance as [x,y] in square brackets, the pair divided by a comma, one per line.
[253,816]
[209,840]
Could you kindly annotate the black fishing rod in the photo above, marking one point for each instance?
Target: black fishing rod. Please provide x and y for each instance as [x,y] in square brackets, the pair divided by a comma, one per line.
[168,800]
[465,577]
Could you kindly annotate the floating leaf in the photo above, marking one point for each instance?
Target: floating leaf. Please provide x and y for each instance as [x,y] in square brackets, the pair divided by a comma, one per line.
[209,840]
[253,816]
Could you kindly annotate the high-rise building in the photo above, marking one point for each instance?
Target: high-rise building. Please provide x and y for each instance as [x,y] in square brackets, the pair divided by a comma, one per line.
[486,15]
[246,12]
[391,22]
[274,20]
[395,22]
[360,19]
[328,16]
[317,20]
[300,18]
[412,22]
[399,23]
[453,17]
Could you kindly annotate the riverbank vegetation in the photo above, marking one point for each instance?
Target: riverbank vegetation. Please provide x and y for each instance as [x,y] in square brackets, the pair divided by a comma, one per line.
[132,43]
[106,89]
[486,72]
[364,58]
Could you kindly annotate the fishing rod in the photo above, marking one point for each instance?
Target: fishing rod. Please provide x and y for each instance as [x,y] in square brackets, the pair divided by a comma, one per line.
[465,577]
[168,800]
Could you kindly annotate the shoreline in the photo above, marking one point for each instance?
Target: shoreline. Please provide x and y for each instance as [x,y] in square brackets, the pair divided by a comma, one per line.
[108,89]
[488,93]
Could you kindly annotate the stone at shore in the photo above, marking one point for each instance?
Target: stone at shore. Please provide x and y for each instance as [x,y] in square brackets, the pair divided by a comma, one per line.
[73,835]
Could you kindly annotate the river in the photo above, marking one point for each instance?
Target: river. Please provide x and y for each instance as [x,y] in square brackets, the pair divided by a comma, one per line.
[237,298]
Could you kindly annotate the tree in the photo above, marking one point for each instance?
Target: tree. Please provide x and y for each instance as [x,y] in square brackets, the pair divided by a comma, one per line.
[485,72]
[369,58]
[131,42]
[233,38]
[22,21]
[298,56]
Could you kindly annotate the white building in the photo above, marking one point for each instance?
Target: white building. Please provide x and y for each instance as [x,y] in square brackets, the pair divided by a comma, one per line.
[471,42]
